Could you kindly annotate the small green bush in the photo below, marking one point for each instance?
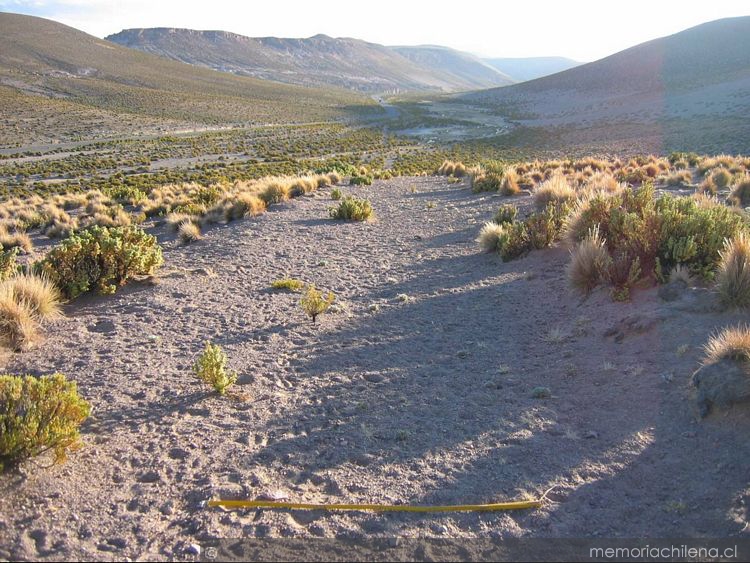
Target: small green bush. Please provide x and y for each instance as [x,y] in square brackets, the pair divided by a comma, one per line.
[8,263]
[210,368]
[38,414]
[364,180]
[101,258]
[288,284]
[336,194]
[313,303]
[506,214]
[352,209]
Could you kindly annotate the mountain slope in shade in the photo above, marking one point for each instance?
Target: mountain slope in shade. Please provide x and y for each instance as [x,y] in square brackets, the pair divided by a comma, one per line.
[318,60]
[687,89]
[523,69]
[43,57]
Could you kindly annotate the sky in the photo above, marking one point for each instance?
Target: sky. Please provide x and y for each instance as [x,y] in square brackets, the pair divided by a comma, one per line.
[583,30]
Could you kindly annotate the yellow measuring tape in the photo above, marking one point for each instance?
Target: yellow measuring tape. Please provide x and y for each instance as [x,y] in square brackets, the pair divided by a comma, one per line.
[514,505]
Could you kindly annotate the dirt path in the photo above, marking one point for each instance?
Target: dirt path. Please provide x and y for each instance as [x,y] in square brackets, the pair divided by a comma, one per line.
[423,400]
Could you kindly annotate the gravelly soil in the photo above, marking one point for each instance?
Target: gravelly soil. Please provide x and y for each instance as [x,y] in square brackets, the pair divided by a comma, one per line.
[420,400]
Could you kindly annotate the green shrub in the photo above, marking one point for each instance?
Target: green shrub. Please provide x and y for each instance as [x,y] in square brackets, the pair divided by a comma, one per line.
[313,303]
[352,209]
[649,236]
[38,414]
[741,192]
[289,284]
[336,194]
[101,258]
[8,263]
[210,368]
[363,180]
[487,182]
[506,214]
[540,230]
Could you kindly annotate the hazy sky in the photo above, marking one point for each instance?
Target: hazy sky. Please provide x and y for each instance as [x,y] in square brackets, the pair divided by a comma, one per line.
[580,29]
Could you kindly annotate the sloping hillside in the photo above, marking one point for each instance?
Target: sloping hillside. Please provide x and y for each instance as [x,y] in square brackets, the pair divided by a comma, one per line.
[689,89]
[529,68]
[52,61]
[318,60]
[461,67]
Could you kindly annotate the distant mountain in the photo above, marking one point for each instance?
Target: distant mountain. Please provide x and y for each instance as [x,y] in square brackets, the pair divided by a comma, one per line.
[521,70]
[688,90]
[463,68]
[50,60]
[319,60]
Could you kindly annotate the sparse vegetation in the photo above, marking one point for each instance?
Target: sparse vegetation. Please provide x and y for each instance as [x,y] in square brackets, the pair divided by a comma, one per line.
[101,258]
[211,368]
[352,209]
[288,284]
[37,415]
[314,304]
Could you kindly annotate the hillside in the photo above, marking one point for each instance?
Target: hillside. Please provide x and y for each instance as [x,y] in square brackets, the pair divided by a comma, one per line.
[688,89]
[529,68]
[318,60]
[56,63]
[461,67]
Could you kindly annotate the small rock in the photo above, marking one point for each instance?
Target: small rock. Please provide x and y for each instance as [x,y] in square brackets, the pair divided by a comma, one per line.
[193,549]
[373,377]
[591,435]
[149,477]
[167,508]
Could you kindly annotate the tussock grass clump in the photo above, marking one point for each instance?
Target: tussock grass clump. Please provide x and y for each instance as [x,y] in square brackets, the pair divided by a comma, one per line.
[288,284]
[39,414]
[352,209]
[733,275]
[490,236]
[189,232]
[721,178]
[19,328]
[678,179]
[509,185]
[210,368]
[451,168]
[314,304]
[556,190]
[589,263]
[731,343]
[275,192]
[101,258]
[36,293]
[17,239]
[740,195]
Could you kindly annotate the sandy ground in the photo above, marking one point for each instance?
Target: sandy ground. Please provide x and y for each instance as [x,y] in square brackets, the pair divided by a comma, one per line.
[427,400]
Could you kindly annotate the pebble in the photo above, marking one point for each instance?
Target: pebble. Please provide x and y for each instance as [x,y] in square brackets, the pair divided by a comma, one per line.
[149,477]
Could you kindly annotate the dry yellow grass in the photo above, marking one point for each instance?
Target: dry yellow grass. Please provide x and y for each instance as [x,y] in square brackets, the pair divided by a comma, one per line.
[555,190]
[490,236]
[189,232]
[589,262]
[18,326]
[731,343]
[37,292]
[733,275]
